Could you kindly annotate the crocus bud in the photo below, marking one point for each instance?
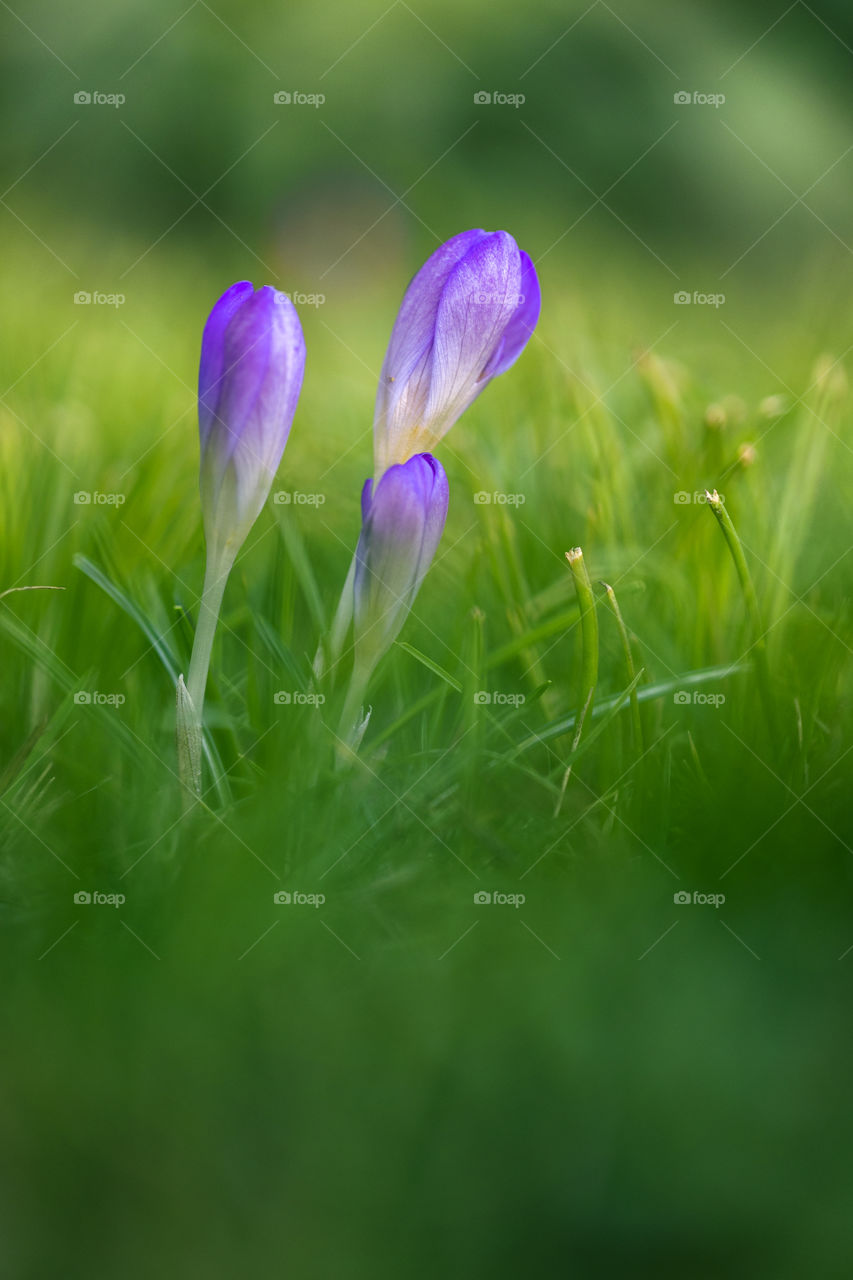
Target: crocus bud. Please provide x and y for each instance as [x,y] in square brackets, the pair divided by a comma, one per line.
[252,362]
[466,317]
[250,376]
[403,520]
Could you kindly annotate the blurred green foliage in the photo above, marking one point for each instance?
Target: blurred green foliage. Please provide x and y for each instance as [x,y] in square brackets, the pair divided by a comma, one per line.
[399,83]
[602,1082]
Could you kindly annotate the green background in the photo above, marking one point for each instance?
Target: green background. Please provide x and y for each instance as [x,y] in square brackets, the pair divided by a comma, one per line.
[600,1080]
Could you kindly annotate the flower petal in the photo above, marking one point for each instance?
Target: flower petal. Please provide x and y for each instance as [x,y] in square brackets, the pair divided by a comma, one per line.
[212,344]
[401,532]
[253,365]
[475,307]
[265,362]
[466,317]
[520,328]
[404,382]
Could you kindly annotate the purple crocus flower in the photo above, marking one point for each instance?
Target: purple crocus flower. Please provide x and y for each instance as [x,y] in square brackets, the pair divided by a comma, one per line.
[249,379]
[403,520]
[466,317]
[250,376]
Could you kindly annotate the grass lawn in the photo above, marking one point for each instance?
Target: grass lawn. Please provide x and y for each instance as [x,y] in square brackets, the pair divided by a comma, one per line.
[582,1072]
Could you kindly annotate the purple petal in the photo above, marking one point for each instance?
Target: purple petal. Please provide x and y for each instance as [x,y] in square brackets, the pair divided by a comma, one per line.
[404,371]
[212,342]
[475,308]
[366,499]
[253,360]
[264,363]
[436,515]
[466,317]
[518,331]
[398,541]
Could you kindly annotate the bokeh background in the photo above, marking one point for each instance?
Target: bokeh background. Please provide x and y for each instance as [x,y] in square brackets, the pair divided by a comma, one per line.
[586,1093]
[598,171]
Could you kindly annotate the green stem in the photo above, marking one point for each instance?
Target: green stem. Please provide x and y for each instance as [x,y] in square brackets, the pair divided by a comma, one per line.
[735,546]
[191,699]
[329,652]
[215,578]
[629,664]
[352,723]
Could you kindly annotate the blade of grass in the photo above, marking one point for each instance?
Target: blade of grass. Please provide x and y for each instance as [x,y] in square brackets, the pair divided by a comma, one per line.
[162,651]
[647,694]
[762,670]
[589,653]
[430,665]
[629,666]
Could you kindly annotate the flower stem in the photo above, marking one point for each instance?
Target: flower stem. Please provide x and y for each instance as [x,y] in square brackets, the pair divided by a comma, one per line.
[353,723]
[215,578]
[191,707]
[329,652]
[189,743]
